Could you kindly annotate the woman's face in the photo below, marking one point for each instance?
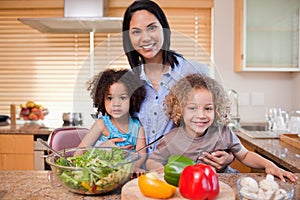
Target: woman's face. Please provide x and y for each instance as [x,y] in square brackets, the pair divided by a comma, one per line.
[198,112]
[146,34]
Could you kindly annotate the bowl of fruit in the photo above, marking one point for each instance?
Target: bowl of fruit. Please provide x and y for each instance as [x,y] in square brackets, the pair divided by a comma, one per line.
[32,111]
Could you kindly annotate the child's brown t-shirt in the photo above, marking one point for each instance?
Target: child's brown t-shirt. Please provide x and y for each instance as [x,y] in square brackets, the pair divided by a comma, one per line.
[178,142]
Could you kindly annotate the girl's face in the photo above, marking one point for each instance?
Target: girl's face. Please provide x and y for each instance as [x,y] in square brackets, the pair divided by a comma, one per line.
[117,101]
[198,112]
[146,34]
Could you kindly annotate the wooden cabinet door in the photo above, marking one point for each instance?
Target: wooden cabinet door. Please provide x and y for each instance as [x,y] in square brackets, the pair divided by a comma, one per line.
[17,162]
[16,152]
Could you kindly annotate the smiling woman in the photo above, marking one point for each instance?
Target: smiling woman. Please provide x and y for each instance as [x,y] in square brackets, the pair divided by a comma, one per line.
[45,67]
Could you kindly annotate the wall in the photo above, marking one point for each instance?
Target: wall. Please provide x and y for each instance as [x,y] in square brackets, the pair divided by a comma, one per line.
[257,90]
[296,91]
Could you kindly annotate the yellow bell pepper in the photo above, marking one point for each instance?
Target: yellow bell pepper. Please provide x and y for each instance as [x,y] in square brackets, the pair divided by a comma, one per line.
[151,186]
[86,186]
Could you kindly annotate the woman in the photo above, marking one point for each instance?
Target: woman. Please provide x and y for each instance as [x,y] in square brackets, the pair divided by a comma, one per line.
[146,42]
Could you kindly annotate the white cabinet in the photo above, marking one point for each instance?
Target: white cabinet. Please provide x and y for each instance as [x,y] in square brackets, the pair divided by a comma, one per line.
[267,35]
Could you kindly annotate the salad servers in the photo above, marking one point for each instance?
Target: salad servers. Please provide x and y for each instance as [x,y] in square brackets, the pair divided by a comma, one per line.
[70,163]
[145,147]
[54,151]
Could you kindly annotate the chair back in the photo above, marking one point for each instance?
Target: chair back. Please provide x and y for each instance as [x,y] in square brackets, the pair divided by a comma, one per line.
[66,137]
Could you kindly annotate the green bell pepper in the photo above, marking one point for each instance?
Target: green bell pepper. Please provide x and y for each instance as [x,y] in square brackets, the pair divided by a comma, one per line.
[174,168]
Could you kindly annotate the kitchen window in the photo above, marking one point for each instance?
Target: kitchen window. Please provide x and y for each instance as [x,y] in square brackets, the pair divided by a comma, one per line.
[52,68]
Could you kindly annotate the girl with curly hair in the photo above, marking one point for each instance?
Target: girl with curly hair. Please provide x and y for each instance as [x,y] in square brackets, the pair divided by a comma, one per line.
[199,106]
[117,95]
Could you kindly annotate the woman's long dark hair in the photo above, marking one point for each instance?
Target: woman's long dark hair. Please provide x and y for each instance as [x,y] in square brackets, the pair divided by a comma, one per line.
[134,58]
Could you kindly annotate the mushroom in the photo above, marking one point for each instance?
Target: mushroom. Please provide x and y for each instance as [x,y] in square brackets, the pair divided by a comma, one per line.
[247,194]
[268,183]
[265,189]
[281,194]
[250,184]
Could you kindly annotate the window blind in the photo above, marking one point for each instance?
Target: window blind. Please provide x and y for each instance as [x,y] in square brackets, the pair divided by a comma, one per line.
[52,69]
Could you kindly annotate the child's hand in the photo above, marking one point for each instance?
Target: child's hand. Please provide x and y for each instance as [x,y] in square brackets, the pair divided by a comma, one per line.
[280,173]
[137,172]
[78,153]
[112,143]
[129,147]
[218,159]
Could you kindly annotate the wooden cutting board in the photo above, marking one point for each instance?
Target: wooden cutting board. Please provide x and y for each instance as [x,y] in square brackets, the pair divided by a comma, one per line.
[131,191]
[291,139]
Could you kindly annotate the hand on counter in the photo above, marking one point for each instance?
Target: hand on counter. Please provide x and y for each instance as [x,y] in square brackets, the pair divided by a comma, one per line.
[271,168]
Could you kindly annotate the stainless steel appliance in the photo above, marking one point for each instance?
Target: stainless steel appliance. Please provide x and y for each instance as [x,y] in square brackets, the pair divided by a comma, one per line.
[72,119]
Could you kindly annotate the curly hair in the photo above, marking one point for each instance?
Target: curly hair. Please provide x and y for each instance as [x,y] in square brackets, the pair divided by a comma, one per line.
[178,97]
[100,84]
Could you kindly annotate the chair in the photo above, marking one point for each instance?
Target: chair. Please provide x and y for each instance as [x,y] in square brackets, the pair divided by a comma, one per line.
[66,137]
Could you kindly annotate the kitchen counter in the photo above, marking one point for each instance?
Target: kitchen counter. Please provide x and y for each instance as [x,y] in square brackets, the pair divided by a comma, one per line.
[33,128]
[26,128]
[39,185]
[279,152]
[18,147]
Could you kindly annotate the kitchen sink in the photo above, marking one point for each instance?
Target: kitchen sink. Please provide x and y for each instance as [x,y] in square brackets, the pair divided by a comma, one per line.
[255,127]
[251,126]
[257,131]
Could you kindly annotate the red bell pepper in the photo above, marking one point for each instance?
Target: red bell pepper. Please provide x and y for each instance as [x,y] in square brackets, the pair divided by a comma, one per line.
[199,182]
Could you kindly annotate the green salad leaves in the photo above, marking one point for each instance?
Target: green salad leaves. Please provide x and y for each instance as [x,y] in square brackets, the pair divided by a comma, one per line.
[96,171]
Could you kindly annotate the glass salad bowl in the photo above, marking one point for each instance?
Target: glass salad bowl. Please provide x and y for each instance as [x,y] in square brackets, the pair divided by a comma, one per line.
[96,170]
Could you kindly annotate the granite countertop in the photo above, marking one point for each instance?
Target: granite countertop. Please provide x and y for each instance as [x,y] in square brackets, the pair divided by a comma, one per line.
[39,185]
[279,152]
[274,149]
[26,128]
[44,127]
